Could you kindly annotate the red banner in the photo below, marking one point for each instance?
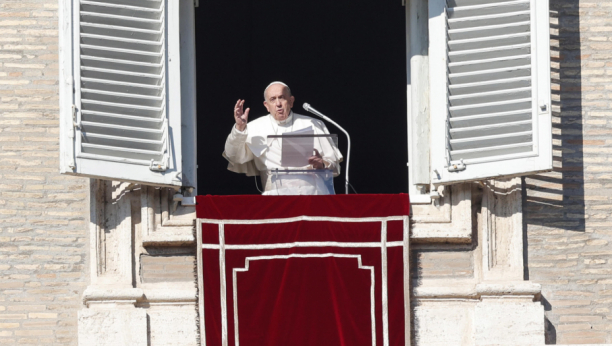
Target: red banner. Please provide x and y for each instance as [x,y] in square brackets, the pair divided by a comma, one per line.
[303,270]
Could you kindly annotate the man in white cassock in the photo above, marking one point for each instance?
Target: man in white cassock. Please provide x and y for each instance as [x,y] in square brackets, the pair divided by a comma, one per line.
[249,150]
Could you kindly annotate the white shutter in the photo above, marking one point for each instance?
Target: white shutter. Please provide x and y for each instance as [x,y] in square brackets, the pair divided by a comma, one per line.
[490,89]
[120,102]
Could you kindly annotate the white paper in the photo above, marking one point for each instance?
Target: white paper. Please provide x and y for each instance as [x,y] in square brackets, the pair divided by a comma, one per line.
[296,151]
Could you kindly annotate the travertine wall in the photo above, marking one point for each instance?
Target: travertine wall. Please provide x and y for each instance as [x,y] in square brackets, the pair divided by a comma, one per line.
[568,213]
[43,226]
[168,267]
[442,261]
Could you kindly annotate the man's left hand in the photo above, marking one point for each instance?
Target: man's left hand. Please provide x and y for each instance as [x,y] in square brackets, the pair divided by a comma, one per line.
[316,160]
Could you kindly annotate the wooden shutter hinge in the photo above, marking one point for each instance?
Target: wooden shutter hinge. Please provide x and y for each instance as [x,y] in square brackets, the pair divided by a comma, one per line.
[456,167]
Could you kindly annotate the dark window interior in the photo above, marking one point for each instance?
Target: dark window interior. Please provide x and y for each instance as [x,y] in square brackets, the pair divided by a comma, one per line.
[346,58]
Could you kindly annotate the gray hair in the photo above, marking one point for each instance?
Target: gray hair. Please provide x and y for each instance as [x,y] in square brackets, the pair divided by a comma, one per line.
[271,84]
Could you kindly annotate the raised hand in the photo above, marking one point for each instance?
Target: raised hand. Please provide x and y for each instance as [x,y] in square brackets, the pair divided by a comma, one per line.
[241,116]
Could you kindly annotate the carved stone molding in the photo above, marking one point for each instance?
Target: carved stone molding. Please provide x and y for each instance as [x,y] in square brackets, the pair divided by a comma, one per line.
[164,222]
[112,219]
[502,230]
[447,220]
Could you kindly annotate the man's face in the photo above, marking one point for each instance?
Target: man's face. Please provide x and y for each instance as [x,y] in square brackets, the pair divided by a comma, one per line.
[278,102]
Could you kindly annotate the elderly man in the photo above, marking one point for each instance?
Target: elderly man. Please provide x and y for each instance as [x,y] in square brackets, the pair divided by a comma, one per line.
[248,150]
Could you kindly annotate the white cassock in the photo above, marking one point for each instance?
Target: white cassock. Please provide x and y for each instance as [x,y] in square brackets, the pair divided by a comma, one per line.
[251,153]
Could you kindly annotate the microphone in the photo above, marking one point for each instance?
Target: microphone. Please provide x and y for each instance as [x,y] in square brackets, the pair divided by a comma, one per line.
[308,108]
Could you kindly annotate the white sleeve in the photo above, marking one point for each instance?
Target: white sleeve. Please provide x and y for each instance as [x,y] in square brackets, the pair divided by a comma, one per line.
[236,149]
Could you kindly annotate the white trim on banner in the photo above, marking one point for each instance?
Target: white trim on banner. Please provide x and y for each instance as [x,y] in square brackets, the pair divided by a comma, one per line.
[301,244]
[246,268]
[302,218]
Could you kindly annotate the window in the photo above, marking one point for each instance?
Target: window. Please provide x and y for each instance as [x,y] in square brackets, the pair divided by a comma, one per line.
[479,91]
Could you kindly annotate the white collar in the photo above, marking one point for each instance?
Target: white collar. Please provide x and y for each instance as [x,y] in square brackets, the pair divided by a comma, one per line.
[283,122]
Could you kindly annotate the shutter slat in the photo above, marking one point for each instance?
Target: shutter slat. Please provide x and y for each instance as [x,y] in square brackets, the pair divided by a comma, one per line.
[121,43]
[489,53]
[486,86]
[491,129]
[125,87]
[121,120]
[149,109]
[122,133]
[155,4]
[489,75]
[486,20]
[120,98]
[490,118]
[490,141]
[135,110]
[121,54]
[484,9]
[118,31]
[122,65]
[489,30]
[120,95]
[489,42]
[121,76]
[143,156]
[489,64]
[501,151]
[120,9]
[121,130]
[122,21]
[492,107]
[490,97]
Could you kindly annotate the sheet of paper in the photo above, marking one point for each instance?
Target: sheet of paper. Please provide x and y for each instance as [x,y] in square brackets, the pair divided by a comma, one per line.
[297,150]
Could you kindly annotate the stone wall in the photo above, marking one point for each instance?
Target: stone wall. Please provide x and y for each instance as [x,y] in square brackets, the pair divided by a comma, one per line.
[168,268]
[43,216]
[568,212]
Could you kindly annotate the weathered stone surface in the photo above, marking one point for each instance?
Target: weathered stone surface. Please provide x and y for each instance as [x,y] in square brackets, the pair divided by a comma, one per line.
[504,322]
[113,327]
[173,325]
[444,323]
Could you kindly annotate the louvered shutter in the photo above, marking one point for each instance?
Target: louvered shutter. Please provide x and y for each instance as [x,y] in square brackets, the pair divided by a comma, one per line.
[490,89]
[120,101]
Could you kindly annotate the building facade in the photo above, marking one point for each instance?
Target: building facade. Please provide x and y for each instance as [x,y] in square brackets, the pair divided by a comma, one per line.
[515,261]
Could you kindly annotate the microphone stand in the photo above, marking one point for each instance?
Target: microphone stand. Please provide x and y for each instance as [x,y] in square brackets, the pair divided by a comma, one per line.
[348,154]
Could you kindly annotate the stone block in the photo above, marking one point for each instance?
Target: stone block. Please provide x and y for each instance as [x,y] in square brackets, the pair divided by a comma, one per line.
[172,325]
[116,327]
[444,323]
[508,322]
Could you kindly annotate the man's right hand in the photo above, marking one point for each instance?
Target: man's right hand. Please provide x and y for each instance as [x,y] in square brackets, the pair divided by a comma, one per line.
[241,116]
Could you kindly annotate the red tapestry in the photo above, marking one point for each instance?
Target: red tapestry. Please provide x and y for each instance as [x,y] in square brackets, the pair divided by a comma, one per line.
[303,270]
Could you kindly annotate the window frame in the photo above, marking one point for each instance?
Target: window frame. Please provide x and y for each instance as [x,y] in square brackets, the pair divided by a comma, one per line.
[180,98]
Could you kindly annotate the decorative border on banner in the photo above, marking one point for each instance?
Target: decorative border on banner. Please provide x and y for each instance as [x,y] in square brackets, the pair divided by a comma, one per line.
[246,268]
[302,218]
[222,247]
[300,244]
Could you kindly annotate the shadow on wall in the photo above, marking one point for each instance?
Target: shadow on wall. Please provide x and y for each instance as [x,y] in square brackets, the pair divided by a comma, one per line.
[556,199]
